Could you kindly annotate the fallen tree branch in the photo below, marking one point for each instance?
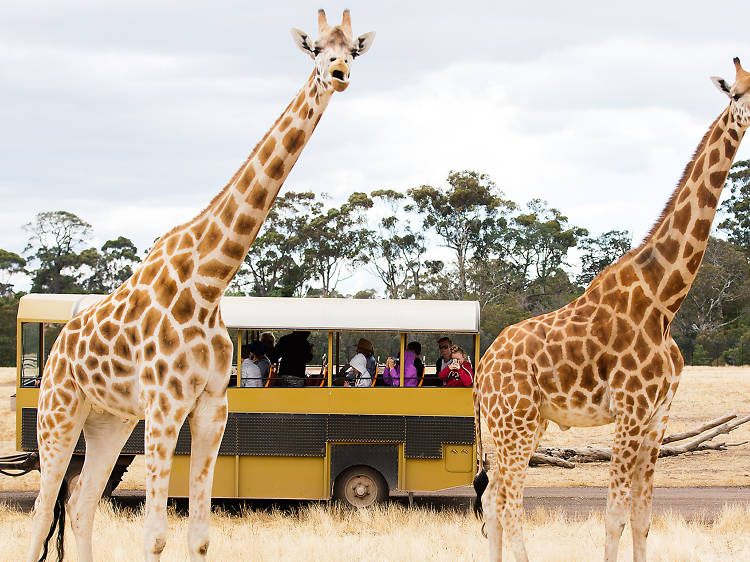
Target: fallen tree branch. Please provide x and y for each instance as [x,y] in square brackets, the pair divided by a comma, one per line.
[567,457]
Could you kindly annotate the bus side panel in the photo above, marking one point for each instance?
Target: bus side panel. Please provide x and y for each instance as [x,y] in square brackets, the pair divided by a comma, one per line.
[456,468]
[283,477]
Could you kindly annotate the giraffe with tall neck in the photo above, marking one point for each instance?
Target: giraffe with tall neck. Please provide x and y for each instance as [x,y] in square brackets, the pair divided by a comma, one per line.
[156,348]
[607,356]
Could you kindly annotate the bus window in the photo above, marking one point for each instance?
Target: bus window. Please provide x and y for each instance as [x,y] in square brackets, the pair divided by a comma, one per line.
[31,339]
[435,352]
[375,346]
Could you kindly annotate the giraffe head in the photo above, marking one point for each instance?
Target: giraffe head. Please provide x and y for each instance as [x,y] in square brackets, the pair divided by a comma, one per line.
[334,50]
[739,94]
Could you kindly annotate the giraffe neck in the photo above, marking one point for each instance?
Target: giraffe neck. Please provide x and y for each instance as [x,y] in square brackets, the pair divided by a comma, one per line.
[219,238]
[669,257]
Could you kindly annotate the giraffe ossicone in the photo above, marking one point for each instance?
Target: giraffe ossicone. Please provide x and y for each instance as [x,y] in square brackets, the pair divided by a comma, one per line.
[156,347]
[607,356]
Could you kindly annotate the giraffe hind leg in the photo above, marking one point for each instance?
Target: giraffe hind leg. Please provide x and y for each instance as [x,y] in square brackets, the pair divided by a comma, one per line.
[56,442]
[105,436]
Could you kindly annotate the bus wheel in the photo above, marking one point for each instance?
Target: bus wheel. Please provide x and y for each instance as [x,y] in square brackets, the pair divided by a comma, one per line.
[360,486]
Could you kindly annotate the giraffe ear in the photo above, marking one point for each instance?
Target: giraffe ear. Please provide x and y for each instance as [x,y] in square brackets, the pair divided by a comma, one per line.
[303,41]
[362,43]
[722,85]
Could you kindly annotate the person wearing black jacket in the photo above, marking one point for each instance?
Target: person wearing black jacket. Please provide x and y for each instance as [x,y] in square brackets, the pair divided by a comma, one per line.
[295,352]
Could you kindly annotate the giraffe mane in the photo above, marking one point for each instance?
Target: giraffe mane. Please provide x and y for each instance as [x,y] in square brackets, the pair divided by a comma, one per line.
[668,208]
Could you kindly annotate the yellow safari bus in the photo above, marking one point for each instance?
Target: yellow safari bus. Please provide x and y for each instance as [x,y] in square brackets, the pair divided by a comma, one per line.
[330,438]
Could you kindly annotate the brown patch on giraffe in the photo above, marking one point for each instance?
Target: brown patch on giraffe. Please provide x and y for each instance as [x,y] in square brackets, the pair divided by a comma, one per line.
[215,269]
[601,326]
[285,123]
[627,276]
[623,335]
[293,140]
[639,303]
[618,379]
[125,389]
[669,248]
[567,377]
[92,363]
[201,355]
[221,414]
[171,244]
[729,149]
[139,300]
[150,321]
[275,169]
[675,285]
[705,197]
[108,330]
[187,241]
[246,179]
[547,382]
[257,197]
[717,180]
[149,351]
[105,367]
[555,352]
[266,151]
[714,157]
[119,311]
[244,224]
[652,327]
[184,307]
[299,101]
[150,271]
[202,312]
[97,346]
[651,391]
[174,386]
[103,312]
[212,317]
[588,380]
[233,250]
[633,384]
[97,379]
[303,111]
[652,275]
[192,332]
[578,399]
[228,212]
[133,335]
[574,351]
[180,364]
[222,351]
[684,194]
[169,338]
[694,263]
[698,168]
[147,376]
[210,240]
[734,135]
[701,229]
[604,365]
[717,132]
[210,293]
[681,218]
[122,347]
[195,383]
[161,371]
[120,369]
[653,369]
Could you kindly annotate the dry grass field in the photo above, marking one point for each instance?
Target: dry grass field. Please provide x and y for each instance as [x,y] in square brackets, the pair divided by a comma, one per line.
[393,532]
[704,394]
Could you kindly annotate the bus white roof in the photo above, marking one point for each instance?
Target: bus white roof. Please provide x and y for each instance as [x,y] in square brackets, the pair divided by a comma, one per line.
[283,313]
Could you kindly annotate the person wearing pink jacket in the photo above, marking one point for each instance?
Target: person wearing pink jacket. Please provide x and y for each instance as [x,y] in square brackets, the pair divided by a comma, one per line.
[391,375]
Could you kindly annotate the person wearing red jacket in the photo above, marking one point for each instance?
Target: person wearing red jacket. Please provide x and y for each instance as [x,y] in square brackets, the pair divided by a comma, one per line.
[458,372]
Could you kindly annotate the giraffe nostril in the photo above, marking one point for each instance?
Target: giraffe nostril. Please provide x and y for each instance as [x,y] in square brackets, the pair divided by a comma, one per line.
[338,74]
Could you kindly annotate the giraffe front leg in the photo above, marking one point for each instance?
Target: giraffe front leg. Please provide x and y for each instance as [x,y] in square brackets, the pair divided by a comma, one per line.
[162,428]
[643,485]
[105,436]
[629,435]
[207,422]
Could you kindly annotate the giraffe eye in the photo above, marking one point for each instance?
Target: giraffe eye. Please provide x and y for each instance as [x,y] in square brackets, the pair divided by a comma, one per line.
[736,97]
[316,51]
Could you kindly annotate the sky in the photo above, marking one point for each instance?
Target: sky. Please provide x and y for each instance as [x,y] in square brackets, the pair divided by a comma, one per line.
[133,115]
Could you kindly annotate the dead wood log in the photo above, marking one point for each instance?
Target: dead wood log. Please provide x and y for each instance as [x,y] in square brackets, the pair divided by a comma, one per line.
[702,434]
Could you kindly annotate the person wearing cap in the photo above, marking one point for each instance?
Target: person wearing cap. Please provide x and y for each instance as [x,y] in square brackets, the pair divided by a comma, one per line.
[249,373]
[358,372]
[258,355]
[365,348]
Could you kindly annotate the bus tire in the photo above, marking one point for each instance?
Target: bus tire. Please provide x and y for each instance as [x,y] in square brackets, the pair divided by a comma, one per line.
[360,486]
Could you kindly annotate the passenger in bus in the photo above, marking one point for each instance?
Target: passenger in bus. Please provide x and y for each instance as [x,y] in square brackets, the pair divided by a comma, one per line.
[444,345]
[258,355]
[416,347]
[268,340]
[391,374]
[249,373]
[365,347]
[357,375]
[458,372]
[294,352]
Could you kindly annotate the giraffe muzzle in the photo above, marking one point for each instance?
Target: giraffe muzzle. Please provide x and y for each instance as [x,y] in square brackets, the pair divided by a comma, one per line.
[339,75]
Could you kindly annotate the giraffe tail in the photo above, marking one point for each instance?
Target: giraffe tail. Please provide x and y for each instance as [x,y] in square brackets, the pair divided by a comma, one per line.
[480,480]
[58,521]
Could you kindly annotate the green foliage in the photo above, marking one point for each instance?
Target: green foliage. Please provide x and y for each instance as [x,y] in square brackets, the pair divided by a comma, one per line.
[8,314]
[111,267]
[737,206]
[601,251]
[10,263]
